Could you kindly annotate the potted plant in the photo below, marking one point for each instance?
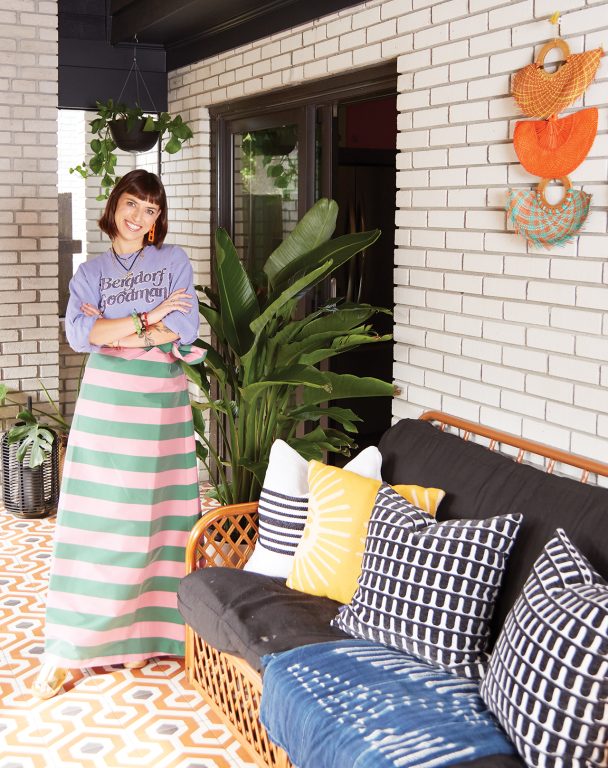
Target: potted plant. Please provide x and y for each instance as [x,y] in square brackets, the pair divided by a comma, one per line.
[271,148]
[31,458]
[261,379]
[118,126]
[34,437]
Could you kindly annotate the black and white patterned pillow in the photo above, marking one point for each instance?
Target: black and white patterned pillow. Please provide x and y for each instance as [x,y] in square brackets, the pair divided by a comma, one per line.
[547,680]
[283,506]
[429,588]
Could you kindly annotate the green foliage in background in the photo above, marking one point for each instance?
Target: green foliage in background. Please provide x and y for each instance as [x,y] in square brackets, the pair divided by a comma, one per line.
[261,378]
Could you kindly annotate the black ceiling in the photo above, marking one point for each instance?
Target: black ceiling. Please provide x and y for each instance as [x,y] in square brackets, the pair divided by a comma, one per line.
[96,40]
[191,30]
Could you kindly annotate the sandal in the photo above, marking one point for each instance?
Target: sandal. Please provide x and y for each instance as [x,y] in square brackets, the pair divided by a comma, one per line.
[49,682]
[135,664]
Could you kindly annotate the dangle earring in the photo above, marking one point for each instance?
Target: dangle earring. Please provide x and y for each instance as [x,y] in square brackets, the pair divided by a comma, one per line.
[151,233]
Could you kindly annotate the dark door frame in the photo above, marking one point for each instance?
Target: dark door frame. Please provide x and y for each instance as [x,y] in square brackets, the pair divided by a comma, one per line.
[296,104]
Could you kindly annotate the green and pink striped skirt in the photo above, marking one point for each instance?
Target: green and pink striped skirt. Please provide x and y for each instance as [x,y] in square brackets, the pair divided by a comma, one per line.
[129,497]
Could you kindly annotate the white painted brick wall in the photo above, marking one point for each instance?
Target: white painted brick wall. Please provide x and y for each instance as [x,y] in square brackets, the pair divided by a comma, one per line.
[486,326]
[29,326]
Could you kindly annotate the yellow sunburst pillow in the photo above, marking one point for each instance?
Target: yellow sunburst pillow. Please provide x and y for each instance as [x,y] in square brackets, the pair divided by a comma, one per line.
[328,558]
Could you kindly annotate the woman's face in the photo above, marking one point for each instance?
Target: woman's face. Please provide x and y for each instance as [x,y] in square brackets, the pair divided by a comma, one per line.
[134,219]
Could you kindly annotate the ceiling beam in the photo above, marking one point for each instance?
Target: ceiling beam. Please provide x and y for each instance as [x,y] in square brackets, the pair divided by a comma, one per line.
[192,30]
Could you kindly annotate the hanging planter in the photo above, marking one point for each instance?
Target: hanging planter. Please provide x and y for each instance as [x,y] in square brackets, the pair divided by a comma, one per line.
[118,126]
[131,137]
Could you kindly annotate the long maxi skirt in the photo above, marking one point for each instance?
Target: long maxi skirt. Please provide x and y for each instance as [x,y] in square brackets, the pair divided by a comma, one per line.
[129,497]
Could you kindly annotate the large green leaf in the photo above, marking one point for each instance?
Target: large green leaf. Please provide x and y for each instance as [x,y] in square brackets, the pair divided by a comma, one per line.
[339,250]
[344,416]
[277,306]
[315,227]
[238,302]
[214,363]
[294,352]
[311,444]
[295,375]
[30,435]
[343,344]
[345,385]
[213,317]
[340,320]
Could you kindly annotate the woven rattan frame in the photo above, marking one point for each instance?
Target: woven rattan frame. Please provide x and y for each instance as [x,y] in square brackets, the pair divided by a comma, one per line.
[227,535]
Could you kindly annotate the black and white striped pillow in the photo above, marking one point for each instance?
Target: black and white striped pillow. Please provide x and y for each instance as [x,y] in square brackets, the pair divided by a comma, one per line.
[283,506]
[429,588]
[547,680]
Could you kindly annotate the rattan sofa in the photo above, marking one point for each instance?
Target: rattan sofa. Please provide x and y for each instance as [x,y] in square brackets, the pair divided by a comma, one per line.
[226,537]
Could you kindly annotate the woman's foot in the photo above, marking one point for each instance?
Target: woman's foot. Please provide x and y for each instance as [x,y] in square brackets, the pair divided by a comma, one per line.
[135,664]
[49,682]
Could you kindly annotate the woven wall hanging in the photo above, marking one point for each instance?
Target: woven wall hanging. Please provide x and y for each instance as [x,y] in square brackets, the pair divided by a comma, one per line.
[542,223]
[555,147]
[541,94]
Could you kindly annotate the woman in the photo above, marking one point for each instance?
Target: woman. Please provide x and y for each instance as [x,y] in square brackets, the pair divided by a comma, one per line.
[129,492]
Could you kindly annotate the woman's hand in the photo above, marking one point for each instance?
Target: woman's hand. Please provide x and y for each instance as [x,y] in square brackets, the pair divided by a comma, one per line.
[177,301]
[90,310]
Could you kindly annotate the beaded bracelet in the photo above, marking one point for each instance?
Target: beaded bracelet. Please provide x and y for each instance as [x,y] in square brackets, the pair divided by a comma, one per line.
[144,321]
[139,328]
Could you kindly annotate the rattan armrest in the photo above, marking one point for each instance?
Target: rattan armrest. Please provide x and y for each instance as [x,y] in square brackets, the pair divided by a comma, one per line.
[223,536]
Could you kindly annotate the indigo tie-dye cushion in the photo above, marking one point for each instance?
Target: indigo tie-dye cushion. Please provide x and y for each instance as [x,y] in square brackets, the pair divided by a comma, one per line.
[356,703]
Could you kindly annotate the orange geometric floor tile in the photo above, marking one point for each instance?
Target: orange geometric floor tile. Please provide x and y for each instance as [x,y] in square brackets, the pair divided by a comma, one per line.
[106,717]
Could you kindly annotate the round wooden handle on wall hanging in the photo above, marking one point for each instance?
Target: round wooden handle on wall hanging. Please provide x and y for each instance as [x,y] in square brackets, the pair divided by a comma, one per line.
[557,43]
[540,191]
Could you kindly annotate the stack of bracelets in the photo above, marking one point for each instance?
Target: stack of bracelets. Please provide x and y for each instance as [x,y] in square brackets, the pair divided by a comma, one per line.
[140,321]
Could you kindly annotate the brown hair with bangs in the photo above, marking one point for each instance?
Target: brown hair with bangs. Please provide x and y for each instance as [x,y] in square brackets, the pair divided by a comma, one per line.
[144,186]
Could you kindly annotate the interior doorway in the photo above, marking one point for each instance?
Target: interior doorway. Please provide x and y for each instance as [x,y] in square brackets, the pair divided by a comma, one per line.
[337,139]
[364,186]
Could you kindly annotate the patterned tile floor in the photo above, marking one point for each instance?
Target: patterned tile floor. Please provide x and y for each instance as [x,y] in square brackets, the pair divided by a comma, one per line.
[107,717]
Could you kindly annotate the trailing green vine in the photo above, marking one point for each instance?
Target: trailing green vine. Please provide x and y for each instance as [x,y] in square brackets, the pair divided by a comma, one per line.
[103,160]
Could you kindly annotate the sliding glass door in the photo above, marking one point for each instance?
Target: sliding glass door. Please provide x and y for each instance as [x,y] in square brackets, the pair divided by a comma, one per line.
[263,190]
[277,154]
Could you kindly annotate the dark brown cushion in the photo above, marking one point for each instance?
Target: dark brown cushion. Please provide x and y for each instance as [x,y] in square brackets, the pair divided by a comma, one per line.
[481,484]
[250,614]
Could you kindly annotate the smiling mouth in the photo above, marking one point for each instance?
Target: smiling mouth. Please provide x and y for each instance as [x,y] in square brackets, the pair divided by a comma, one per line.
[132,227]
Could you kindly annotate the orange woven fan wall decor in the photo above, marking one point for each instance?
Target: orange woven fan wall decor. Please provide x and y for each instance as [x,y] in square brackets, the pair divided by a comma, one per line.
[555,147]
[541,94]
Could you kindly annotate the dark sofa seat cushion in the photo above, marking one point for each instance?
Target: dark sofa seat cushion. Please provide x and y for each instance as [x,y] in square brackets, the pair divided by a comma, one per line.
[481,484]
[250,614]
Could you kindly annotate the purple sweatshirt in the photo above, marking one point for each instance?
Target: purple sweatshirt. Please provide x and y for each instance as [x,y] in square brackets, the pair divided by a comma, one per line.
[104,283]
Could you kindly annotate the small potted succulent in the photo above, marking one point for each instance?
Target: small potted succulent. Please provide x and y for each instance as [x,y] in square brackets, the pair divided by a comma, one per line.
[118,126]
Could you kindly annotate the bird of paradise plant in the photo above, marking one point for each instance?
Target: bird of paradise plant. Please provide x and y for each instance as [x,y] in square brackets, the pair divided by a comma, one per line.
[261,378]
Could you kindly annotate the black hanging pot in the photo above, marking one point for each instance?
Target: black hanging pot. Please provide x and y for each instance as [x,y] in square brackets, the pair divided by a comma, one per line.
[133,139]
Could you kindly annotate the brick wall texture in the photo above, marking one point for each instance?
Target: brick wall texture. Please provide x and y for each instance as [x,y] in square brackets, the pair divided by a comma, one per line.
[486,327]
[29,325]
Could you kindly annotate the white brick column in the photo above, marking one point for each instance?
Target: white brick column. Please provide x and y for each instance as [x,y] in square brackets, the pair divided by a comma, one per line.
[29,326]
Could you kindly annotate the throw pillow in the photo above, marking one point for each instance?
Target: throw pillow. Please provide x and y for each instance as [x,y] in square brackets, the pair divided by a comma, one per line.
[328,559]
[429,588]
[547,680]
[426,499]
[283,505]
